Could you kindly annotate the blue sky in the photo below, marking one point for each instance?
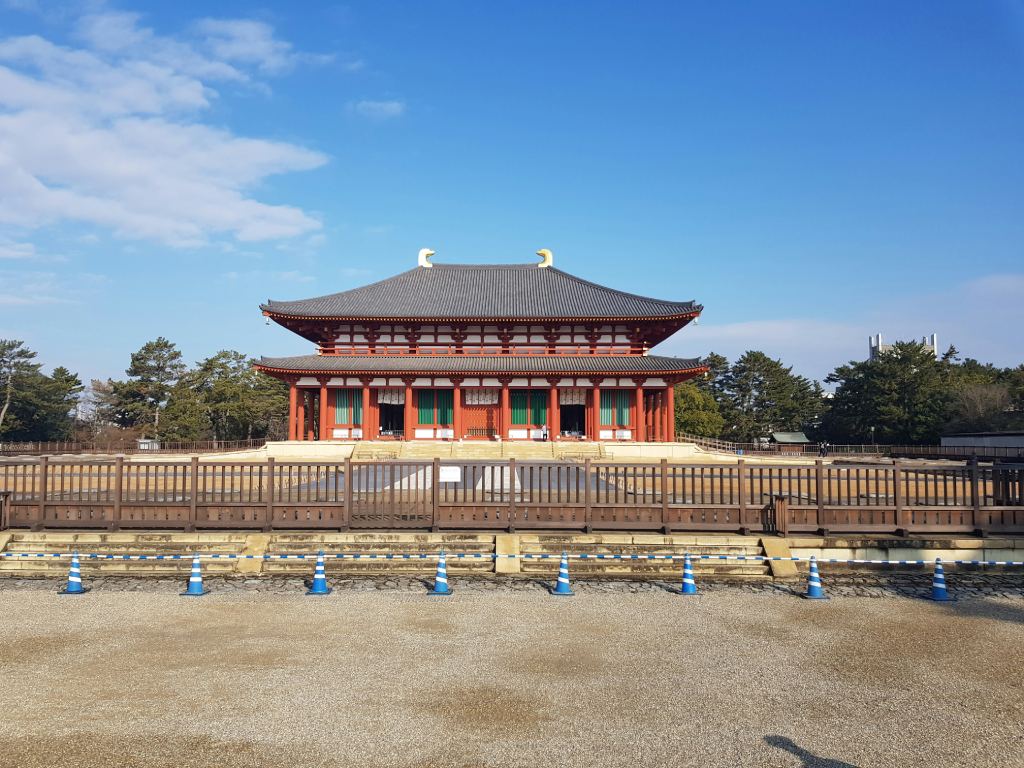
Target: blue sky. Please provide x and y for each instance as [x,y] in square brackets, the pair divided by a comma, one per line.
[811,172]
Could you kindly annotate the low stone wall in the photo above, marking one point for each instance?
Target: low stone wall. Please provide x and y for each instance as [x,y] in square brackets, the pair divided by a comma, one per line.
[892,548]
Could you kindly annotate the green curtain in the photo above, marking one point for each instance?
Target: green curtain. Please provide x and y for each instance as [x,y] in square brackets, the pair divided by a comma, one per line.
[519,399]
[342,400]
[425,403]
[607,405]
[539,406]
[357,406]
[622,409]
[445,406]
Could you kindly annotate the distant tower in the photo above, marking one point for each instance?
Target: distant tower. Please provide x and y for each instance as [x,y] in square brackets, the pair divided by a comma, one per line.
[876,347]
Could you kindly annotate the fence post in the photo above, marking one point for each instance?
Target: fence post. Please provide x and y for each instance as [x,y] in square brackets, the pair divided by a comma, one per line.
[346,511]
[819,493]
[976,497]
[193,493]
[780,508]
[741,481]
[587,513]
[665,526]
[115,516]
[511,495]
[435,488]
[44,472]
[268,490]
[897,493]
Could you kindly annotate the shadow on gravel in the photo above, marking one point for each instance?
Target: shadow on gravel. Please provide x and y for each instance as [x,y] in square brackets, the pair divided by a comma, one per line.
[986,609]
[809,759]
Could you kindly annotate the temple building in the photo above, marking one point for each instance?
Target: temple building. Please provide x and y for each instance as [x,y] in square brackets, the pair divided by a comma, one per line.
[483,352]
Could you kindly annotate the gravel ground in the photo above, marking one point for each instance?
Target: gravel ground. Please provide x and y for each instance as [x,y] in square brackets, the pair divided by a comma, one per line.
[375,675]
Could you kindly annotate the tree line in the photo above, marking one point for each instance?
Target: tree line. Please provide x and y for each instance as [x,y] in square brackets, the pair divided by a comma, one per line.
[904,396]
[219,398]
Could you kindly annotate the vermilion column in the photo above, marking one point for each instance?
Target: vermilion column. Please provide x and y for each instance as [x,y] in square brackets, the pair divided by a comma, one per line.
[324,433]
[504,415]
[300,416]
[595,409]
[293,397]
[457,409]
[410,413]
[639,431]
[554,415]
[670,415]
[367,424]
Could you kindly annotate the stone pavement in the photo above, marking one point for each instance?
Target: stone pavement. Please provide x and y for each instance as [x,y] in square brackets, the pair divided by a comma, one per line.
[972,584]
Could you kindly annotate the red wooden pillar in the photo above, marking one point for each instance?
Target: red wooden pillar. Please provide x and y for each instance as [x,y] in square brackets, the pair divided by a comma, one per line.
[324,427]
[457,429]
[670,414]
[367,425]
[504,412]
[639,430]
[554,415]
[410,413]
[293,406]
[300,416]
[595,409]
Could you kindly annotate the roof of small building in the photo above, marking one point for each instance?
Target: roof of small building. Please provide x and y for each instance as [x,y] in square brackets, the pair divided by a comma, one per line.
[510,364]
[790,437]
[484,291]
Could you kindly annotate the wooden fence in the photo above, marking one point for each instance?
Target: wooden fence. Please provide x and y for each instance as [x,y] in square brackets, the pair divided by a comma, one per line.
[590,495]
[126,446]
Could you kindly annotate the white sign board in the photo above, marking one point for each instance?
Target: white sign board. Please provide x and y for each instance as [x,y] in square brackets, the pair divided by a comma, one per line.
[450,474]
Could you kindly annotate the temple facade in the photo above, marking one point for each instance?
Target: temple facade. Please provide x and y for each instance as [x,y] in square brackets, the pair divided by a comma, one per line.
[482,352]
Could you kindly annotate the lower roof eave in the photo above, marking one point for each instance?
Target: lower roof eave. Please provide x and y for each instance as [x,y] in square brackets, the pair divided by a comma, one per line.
[631,366]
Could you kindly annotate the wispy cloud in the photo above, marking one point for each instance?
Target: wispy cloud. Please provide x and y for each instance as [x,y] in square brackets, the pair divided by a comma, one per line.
[981,317]
[378,110]
[111,133]
[27,289]
[269,277]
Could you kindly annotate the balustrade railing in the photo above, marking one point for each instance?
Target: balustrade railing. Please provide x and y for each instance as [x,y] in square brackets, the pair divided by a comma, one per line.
[67,492]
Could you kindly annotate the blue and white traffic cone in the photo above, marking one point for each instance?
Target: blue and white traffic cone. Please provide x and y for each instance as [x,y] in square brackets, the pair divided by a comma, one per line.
[195,580]
[441,579]
[74,586]
[562,584]
[814,590]
[319,585]
[689,585]
[939,592]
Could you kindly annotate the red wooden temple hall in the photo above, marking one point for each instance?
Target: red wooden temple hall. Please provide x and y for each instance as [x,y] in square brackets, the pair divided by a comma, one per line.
[488,351]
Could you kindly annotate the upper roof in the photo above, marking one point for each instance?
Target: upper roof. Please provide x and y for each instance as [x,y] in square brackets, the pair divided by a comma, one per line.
[483,291]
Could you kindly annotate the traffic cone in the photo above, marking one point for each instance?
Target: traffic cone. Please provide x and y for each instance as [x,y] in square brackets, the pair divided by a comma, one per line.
[319,585]
[74,586]
[814,590]
[562,584]
[689,585]
[195,580]
[939,592]
[441,579]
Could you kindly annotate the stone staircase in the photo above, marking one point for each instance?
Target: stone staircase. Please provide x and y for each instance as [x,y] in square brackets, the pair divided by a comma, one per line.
[479,450]
[141,543]
[645,544]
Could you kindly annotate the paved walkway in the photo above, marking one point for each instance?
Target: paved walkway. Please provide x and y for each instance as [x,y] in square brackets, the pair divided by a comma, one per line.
[385,677]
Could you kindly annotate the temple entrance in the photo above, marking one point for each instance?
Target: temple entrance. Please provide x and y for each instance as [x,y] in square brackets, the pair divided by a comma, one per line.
[573,420]
[392,420]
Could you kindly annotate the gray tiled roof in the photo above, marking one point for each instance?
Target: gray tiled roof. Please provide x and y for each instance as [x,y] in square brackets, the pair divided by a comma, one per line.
[482,291]
[511,364]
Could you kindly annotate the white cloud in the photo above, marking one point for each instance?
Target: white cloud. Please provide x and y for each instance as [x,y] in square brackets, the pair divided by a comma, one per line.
[111,134]
[12,250]
[378,110]
[27,289]
[981,317]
